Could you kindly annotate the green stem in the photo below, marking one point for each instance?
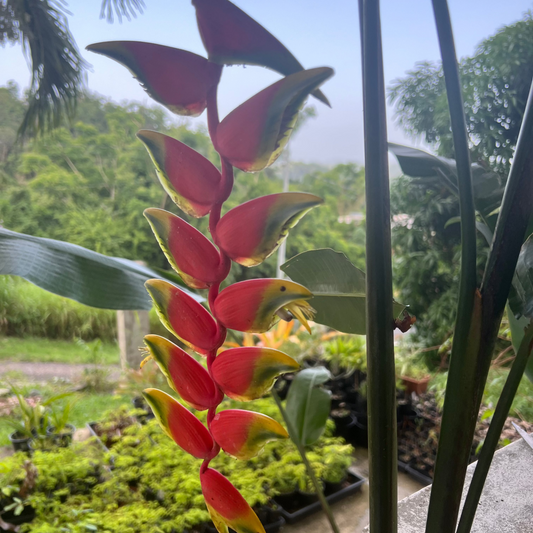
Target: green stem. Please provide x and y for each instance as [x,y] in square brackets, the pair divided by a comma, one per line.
[309,468]
[494,432]
[379,317]
[460,410]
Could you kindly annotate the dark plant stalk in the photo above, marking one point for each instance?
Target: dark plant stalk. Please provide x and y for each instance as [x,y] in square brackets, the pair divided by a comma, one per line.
[460,410]
[494,432]
[380,321]
[308,467]
[515,212]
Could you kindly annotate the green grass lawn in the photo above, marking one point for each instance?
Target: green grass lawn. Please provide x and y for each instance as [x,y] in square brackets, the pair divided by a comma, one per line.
[41,350]
[89,408]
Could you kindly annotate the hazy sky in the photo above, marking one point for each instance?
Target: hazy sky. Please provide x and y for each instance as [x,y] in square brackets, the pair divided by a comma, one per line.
[317,32]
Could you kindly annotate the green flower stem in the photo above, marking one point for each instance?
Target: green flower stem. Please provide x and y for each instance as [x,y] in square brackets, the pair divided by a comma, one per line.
[460,408]
[495,430]
[379,316]
[309,468]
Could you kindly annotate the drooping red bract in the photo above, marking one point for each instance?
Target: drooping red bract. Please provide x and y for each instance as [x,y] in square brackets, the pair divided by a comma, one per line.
[254,134]
[226,505]
[231,37]
[178,79]
[183,316]
[252,231]
[243,434]
[190,179]
[181,425]
[184,374]
[248,373]
[190,253]
[251,305]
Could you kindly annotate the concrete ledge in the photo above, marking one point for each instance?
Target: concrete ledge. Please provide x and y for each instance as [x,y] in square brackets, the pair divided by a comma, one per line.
[506,505]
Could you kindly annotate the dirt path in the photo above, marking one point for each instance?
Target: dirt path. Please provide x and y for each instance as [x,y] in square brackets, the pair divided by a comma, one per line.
[41,372]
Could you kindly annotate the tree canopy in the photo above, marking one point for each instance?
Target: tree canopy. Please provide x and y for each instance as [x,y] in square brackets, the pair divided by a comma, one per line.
[495,81]
[89,183]
[57,68]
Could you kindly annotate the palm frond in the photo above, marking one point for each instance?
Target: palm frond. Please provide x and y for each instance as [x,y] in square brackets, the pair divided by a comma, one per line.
[122,8]
[8,28]
[57,67]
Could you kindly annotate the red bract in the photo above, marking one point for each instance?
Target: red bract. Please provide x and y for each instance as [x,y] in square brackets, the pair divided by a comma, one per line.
[251,306]
[191,255]
[243,434]
[252,136]
[184,374]
[190,179]
[181,425]
[226,506]
[252,231]
[248,373]
[178,79]
[183,316]
[231,37]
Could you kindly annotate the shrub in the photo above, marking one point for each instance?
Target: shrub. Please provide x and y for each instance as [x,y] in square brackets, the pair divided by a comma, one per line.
[27,310]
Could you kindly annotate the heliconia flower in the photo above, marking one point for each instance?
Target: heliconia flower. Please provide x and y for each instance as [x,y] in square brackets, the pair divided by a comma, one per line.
[180,424]
[243,434]
[190,253]
[178,79]
[190,179]
[226,505]
[253,135]
[231,37]
[252,231]
[184,374]
[251,305]
[183,316]
[245,374]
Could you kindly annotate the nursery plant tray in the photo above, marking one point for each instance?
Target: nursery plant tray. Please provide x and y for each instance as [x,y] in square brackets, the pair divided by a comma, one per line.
[356,482]
[91,427]
[414,474]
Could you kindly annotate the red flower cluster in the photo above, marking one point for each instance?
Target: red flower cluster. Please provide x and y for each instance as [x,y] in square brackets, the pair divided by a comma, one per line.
[250,138]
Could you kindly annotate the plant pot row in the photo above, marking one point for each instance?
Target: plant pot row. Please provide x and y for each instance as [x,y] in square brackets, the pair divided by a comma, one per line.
[298,505]
[288,508]
[52,439]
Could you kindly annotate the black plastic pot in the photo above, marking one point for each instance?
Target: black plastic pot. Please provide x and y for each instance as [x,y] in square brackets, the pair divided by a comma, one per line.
[344,422]
[353,485]
[359,431]
[27,515]
[19,443]
[62,439]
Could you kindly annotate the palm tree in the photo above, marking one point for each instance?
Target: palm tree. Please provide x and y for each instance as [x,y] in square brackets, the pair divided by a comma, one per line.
[58,70]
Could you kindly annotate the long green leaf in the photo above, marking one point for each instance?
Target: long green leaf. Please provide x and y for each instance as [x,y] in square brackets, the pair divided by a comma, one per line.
[75,272]
[521,299]
[338,287]
[308,405]
[488,186]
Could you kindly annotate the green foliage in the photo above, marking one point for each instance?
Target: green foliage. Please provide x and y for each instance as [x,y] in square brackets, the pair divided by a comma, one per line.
[89,184]
[338,287]
[36,349]
[308,405]
[426,252]
[495,83]
[345,354]
[26,310]
[154,486]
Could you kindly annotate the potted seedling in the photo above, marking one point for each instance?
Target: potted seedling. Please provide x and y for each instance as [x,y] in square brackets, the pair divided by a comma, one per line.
[15,508]
[30,421]
[59,429]
[414,378]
